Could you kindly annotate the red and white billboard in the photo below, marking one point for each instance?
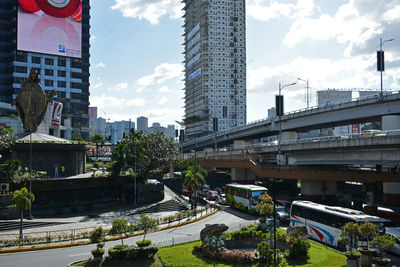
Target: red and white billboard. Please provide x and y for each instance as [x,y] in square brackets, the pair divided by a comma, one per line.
[56,110]
[50,27]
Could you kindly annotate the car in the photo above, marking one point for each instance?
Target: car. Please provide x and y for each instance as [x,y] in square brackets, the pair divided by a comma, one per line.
[212,195]
[282,215]
[221,199]
[205,190]
[369,133]
[285,203]
[395,233]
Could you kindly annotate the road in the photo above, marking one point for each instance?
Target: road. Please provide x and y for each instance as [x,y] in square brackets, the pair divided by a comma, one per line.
[63,256]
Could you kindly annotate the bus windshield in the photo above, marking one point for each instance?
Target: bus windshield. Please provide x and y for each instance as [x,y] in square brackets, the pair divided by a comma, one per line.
[256,194]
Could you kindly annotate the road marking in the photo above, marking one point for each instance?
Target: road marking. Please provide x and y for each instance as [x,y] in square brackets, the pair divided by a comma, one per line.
[78,255]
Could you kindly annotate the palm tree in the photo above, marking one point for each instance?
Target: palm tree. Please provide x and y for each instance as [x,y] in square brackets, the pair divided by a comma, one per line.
[194,180]
[22,201]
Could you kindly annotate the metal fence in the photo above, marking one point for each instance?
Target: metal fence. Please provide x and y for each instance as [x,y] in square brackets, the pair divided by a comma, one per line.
[82,234]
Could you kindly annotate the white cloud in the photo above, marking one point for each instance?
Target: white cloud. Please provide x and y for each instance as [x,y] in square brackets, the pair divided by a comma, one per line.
[96,85]
[266,10]
[162,73]
[356,24]
[104,101]
[118,87]
[322,73]
[100,65]
[151,10]
[163,100]
[92,38]
[164,89]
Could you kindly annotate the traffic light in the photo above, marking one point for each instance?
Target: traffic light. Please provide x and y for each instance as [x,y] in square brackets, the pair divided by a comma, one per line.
[279,105]
[215,124]
[380,56]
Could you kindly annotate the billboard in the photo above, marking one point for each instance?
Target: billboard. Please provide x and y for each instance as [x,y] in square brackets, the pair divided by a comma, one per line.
[50,27]
[56,110]
[330,97]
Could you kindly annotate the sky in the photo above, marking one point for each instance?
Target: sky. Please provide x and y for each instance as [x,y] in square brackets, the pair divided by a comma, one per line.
[137,53]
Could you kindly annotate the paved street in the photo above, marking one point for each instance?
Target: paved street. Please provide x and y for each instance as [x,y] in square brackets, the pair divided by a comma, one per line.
[64,256]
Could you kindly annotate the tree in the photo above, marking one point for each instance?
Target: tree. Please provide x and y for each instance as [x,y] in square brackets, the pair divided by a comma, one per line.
[383,242]
[97,236]
[265,206]
[22,201]
[146,224]
[368,231]
[121,228]
[7,138]
[350,234]
[145,151]
[97,139]
[194,179]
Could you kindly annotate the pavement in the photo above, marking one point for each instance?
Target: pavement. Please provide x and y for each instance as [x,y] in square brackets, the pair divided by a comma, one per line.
[87,220]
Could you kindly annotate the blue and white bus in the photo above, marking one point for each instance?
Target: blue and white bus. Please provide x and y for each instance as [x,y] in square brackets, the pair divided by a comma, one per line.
[323,223]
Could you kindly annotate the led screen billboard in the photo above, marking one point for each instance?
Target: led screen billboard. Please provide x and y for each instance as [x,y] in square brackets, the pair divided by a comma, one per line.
[50,27]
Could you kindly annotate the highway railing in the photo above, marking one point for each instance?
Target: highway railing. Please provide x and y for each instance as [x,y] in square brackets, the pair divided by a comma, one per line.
[78,235]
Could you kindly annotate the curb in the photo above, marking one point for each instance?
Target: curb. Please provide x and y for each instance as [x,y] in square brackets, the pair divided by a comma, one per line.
[14,250]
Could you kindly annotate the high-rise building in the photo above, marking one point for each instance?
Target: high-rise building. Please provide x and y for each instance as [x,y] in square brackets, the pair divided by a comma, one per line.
[142,124]
[57,47]
[215,65]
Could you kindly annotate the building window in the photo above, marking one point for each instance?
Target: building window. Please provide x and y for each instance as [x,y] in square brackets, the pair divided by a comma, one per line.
[61,62]
[21,69]
[75,64]
[21,57]
[76,75]
[49,61]
[48,72]
[61,73]
[62,84]
[48,82]
[75,85]
[36,60]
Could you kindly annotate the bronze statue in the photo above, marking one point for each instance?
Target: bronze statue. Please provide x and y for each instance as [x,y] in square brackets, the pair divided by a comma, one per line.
[31,102]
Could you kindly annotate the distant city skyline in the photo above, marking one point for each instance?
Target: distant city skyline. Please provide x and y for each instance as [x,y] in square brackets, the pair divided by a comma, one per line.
[137,70]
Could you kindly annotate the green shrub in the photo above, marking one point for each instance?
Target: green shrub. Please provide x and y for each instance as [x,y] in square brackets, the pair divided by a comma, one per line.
[143,243]
[118,252]
[298,250]
[265,253]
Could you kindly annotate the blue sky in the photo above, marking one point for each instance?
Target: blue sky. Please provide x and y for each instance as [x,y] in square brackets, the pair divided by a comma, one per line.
[136,53]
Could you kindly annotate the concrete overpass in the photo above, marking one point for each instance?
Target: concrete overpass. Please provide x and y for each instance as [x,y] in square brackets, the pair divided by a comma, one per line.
[345,113]
[317,163]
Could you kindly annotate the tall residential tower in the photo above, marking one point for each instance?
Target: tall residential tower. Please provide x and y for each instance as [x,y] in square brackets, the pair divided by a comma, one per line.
[55,41]
[215,65]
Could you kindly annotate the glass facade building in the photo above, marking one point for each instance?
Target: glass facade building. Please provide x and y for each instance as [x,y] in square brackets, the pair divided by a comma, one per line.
[68,76]
[215,66]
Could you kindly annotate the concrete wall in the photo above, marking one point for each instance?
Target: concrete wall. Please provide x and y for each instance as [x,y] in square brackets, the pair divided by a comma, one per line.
[48,156]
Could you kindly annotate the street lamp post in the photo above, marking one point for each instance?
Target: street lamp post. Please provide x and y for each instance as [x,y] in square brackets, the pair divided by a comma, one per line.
[280,114]
[380,59]
[194,200]
[308,97]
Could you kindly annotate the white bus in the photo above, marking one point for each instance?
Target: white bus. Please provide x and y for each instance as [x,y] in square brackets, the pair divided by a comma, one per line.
[244,197]
[324,223]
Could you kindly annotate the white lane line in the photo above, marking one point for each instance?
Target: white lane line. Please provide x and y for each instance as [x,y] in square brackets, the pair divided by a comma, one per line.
[78,255]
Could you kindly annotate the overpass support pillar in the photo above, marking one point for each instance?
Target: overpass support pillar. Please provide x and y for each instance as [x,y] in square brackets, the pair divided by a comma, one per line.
[391,191]
[242,176]
[318,191]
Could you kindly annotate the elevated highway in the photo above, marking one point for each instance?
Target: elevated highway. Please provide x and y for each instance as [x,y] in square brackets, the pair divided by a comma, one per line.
[350,159]
[344,113]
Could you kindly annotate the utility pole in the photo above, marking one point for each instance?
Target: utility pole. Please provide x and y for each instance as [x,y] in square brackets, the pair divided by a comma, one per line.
[381,60]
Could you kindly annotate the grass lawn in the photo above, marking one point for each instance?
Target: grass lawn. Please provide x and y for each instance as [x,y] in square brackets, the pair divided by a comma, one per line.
[181,255]
[150,262]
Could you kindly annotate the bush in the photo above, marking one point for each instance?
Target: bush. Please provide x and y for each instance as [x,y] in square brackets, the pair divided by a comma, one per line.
[118,252]
[265,253]
[143,243]
[131,252]
[298,250]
